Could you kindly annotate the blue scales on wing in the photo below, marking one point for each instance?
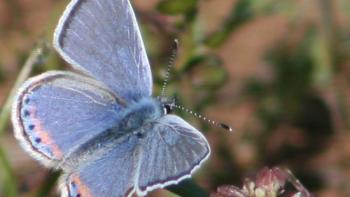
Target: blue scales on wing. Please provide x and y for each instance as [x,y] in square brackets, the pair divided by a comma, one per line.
[102,38]
[54,113]
[111,174]
[172,151]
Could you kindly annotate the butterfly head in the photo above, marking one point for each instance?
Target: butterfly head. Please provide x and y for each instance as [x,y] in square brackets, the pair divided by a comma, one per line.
[167,104]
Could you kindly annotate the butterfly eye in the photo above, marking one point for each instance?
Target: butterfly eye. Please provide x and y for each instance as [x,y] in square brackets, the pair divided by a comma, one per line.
[167,109]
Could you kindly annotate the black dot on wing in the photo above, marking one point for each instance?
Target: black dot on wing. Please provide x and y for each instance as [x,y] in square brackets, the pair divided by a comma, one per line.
[26,113]
[31,127]
[26,100]
[37,140]
[78,195]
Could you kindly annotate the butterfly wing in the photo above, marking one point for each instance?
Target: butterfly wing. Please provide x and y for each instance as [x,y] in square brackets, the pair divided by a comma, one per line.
[102,38]
[57,111]
[112,174]
[172,151]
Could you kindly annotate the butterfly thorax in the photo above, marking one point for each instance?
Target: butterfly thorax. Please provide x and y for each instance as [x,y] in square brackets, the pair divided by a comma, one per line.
[135,120]
[137,114]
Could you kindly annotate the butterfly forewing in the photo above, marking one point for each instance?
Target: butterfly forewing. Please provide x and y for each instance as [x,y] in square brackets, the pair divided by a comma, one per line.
[57,111]
[102,38]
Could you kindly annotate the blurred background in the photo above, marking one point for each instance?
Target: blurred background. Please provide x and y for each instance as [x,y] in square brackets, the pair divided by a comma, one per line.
[277,71]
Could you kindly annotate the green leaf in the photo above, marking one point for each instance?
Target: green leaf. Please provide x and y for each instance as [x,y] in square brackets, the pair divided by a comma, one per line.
[174,7]
[188,188]
[49,184]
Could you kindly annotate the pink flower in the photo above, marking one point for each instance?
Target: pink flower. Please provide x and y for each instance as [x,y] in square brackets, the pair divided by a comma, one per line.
[267,183]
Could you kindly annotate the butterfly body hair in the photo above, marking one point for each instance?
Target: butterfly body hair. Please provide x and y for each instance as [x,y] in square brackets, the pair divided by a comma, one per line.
[134,120]
[137,114]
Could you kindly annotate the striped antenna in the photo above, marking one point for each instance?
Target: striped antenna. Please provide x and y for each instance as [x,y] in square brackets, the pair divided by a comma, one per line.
[217,124]
[171,63]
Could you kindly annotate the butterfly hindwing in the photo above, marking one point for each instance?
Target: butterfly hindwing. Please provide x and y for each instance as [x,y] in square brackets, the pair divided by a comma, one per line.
[172,151]
[112,174]
[102,38]
[57,111]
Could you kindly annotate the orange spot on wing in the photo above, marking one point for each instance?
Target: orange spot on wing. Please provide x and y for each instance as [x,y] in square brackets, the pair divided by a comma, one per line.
[81,187]
[44,135]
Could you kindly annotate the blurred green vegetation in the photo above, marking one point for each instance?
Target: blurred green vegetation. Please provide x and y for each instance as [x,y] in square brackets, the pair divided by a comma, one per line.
[298,106]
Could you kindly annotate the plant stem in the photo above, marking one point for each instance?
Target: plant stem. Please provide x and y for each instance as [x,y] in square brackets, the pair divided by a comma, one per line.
[24,74]
[10,186]
[9,182]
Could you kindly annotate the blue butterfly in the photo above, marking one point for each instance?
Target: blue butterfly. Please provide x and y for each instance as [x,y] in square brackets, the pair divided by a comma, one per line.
[101,125]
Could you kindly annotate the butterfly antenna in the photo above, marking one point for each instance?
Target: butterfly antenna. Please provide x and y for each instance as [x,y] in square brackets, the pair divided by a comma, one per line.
[171,63]
[217,124]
